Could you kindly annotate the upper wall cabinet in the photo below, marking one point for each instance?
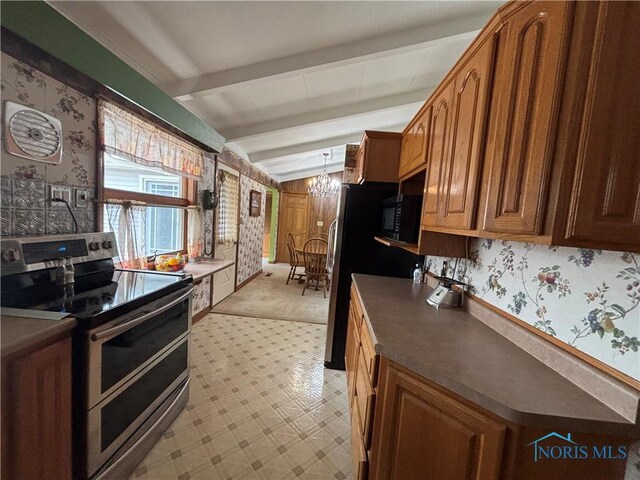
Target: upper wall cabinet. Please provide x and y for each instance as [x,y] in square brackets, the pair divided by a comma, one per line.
[414,143]
[378,156]
[437,152]
[461,173]
[534,133]
[532,45]
[605,185]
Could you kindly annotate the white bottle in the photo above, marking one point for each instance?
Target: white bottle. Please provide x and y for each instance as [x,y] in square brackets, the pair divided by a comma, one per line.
[417,275]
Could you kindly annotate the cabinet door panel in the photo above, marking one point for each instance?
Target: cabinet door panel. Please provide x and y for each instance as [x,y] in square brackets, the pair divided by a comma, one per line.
[421,433]
[406,155]
[437,154]
[530,60]
[606,190]
[461,175]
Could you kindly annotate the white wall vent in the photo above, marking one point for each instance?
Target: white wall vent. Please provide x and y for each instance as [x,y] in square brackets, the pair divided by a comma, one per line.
[31,134]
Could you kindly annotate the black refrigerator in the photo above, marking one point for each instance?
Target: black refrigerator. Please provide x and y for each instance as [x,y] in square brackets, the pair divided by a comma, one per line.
[359,220]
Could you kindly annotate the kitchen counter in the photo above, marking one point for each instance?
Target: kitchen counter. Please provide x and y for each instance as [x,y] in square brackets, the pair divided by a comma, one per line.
[460,353]
[206,267]
[25,330]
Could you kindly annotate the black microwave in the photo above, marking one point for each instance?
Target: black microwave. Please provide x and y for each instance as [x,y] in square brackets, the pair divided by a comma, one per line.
[401,217]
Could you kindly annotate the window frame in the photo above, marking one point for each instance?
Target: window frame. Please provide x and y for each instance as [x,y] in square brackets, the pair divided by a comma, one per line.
[189,187]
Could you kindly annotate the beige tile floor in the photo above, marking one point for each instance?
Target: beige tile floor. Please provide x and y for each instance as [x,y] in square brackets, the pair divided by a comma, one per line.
[261,406]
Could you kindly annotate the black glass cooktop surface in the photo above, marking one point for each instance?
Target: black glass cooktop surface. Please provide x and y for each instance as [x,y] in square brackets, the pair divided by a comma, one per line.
[127,290]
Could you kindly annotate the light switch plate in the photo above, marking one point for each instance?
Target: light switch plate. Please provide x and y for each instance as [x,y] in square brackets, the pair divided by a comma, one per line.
[320,223]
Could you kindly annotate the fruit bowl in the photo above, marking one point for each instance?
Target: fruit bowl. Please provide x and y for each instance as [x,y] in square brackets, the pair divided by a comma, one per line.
[170,263]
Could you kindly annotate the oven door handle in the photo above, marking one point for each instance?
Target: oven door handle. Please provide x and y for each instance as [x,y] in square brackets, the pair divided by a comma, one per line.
[123,327]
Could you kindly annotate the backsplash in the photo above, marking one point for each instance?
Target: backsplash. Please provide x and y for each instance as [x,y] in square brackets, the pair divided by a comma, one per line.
[589,299]
[24,183]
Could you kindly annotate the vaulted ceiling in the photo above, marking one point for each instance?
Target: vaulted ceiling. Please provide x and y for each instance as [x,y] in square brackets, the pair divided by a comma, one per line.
[285,81]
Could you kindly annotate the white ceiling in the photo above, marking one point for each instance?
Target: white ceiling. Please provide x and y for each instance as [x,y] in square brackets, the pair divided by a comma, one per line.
[285,81]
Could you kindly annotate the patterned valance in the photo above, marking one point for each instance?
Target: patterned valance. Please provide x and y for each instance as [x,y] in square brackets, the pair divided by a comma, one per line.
[125,135]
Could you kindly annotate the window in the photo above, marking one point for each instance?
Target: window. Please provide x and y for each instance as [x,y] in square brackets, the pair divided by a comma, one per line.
[149,179]
[165,226]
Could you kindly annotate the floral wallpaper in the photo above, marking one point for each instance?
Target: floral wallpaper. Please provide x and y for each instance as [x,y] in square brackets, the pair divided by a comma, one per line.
[24,183]
[201,296]
[251,231]
[589,299]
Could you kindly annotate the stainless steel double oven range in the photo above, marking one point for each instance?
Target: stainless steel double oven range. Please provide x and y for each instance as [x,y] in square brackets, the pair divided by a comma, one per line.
[131,346]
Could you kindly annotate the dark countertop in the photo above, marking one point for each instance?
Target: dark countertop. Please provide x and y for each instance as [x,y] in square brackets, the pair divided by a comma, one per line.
[23,330]
[460,353]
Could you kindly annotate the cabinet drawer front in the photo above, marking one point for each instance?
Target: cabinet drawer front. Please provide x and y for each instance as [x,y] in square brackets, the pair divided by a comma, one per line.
[358,451]
[357,307]
[370,357]
[526,103]
[365,400]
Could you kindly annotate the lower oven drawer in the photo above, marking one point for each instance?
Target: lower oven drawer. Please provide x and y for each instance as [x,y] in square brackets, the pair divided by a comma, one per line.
[120,349]
[113,421]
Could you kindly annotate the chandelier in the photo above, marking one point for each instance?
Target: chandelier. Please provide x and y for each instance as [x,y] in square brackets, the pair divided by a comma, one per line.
[322,185]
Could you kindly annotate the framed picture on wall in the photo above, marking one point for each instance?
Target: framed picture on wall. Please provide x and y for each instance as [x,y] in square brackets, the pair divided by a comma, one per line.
[255,202]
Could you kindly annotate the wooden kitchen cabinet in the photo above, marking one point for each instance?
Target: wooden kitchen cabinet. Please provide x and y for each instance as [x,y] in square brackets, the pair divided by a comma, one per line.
[421,432]
[529,80]
[604,181]
[36,414]
[463,167]
[378,157]
[413,153]
[437,152]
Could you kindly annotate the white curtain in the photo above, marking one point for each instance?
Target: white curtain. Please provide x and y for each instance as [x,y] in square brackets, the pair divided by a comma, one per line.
[126,135]
[228,186]
[129,222]
[195,234]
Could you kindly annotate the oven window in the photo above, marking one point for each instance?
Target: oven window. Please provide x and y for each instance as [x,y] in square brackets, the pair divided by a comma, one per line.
[125,408]
[125,353]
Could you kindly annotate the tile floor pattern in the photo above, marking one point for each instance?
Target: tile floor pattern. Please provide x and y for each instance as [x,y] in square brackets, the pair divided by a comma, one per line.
[261,406]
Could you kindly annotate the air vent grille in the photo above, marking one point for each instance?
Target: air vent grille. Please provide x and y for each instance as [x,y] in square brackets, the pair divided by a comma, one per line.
[32,134]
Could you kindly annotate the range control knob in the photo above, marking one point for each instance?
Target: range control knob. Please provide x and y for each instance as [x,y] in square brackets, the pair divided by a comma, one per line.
[10,255]
[107,244]
[94,246]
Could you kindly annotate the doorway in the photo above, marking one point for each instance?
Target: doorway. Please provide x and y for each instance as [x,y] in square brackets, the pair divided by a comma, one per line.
[270,226]
[293,217]
[227,223]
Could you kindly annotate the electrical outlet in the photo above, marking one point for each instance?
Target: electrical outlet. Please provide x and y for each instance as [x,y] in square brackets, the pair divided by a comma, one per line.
[56,191]
[82,198]
[320,223]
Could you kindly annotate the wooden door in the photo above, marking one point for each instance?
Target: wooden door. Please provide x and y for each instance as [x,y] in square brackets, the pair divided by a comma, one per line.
[438,150]
[293,215]
[461,175]
[37,415]
[227,225]
[605,204]
[531,51]
[422,433]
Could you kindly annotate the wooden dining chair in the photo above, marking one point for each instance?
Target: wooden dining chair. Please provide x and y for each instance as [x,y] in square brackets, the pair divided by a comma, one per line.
[315,266]
[322,236]
[294,260]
